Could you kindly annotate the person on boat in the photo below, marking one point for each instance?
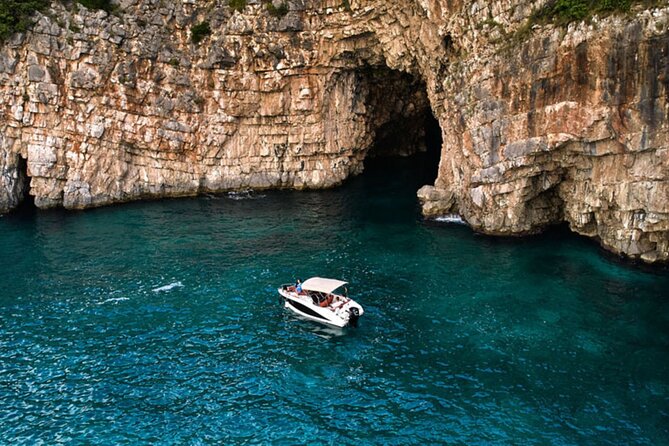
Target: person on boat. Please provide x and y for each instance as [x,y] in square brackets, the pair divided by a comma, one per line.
[327,300]
[298,286]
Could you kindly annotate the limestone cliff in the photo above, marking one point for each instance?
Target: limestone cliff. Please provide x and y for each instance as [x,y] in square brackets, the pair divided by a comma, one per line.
[565,125]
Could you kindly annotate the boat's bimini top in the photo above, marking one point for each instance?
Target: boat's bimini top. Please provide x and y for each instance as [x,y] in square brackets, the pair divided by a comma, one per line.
[322,285]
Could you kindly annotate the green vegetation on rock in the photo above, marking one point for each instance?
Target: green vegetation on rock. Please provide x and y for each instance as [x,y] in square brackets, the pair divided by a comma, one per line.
[237,5]
[199,32]
[276,11]
[563,12]
[17,15]
[566,11]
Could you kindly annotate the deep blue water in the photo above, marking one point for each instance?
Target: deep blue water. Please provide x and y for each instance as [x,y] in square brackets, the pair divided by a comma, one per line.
[159,322]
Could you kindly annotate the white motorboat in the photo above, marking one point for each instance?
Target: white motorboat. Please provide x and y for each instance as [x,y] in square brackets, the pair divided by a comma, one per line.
[319,300]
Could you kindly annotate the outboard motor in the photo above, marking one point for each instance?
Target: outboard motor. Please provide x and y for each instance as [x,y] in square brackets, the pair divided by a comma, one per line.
[354,315]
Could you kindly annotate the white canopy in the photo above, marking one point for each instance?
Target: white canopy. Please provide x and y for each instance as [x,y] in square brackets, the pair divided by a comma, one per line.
[322,285]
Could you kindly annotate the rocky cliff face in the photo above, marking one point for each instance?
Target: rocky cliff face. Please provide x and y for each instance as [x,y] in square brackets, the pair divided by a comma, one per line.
[566,125]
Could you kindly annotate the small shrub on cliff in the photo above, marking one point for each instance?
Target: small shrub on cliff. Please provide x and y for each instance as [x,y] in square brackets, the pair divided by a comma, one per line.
[615,5]
[17,15]
[237,5]
[569,10]
[199,32]
[276,11]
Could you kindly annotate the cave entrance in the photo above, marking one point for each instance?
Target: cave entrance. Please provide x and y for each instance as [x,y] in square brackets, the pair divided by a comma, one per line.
[400,143]
[26,202]
[407,136]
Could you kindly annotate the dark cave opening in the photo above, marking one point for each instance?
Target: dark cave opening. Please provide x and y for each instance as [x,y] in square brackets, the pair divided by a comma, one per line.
[26,202]
[403,125]
[433,143]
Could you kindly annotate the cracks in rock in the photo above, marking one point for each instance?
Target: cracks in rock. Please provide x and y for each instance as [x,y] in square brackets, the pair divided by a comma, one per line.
[280,152]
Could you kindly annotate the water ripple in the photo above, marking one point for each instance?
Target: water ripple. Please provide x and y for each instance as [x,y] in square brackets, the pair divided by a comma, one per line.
[159,322]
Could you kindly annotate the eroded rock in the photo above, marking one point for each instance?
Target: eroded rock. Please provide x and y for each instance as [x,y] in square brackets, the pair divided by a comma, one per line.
[563,126]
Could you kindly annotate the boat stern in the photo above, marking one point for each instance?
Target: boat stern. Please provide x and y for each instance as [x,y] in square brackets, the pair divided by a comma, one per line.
[353,311]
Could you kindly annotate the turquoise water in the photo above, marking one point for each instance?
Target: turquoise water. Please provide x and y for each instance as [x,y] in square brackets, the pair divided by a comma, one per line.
[158,322]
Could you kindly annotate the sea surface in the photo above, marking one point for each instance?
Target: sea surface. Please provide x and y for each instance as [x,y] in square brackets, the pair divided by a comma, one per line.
[159,323]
